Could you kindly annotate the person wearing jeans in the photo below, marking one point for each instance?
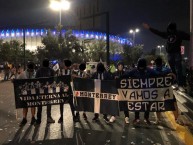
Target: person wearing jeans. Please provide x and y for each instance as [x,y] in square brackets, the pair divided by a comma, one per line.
[122,104]
[173,48]
[45,71]
[142,72]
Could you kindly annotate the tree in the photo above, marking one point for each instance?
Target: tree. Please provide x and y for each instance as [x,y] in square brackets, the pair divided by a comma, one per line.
[97,50]
[132,53]
[13,52]
[136,53]
[5,51]
[61,47]
[116,49]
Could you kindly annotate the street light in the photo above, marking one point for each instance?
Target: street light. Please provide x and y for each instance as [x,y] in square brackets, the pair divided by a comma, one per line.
[59,6]
[131,31]
[160,47]
[107,30]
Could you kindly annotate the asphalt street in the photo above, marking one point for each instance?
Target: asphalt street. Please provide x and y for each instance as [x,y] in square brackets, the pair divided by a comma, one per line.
[81,133]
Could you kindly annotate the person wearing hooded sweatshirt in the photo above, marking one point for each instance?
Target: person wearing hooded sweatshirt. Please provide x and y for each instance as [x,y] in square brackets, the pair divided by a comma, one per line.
[122,104]
[173,48]
[163,71]
[142,72]
[101,74]
[29,73]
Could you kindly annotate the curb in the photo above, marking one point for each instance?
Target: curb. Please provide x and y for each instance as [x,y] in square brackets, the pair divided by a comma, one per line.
[182,131]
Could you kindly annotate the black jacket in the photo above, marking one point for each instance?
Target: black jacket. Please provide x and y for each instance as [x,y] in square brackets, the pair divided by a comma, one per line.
[174,40]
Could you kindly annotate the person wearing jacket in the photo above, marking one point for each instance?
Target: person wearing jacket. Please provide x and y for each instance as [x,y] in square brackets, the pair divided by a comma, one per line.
[173,48]
[122,104]
[45,71]
[142,72]
[163,71]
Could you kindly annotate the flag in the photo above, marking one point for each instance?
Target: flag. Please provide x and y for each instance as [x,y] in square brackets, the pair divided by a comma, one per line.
[98,96]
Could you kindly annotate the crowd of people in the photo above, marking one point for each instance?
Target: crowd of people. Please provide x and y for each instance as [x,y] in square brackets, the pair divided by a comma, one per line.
[141,70]
[11,71]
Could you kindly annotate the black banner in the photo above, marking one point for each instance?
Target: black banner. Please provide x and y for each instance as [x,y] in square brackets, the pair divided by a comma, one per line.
[148,94]
[42,91]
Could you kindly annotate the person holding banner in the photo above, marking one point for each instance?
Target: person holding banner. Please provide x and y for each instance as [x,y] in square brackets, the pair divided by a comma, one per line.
[82,74]
[67,71]
[45,71]
[165,71]
[122,104]
[142,72]
[29,73]
[101,74]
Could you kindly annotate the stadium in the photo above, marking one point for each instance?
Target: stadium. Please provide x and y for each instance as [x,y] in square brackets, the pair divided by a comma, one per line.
[33,37]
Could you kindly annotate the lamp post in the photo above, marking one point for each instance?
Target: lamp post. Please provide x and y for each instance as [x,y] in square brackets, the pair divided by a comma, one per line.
[59,6]
[160,48]
[131,31]
[107,31]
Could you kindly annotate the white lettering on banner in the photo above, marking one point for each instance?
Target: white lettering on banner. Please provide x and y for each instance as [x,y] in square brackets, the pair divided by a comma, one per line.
[97,101]
[43,103]
[106,96]
[43,97]
[151,81]
[123,83]
[147,106]
[146,83]
[153,94]
[136,83]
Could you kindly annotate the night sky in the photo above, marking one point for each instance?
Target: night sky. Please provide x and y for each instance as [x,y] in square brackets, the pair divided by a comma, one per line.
[124,14]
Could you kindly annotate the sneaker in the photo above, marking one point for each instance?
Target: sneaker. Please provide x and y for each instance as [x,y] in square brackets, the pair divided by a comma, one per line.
[84,116]
[77,114]
[106,119]
[38,122]
[60,120]
[127,120]
[23,122]
[136,121]
[157,122]
[50,120]
[181,89]
[175,86]
[147,121]
[112,119]
[179,122]
[96,118]
[76,118]
[33,121]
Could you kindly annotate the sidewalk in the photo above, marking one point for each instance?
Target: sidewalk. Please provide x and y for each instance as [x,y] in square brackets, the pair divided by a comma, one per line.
[185,130]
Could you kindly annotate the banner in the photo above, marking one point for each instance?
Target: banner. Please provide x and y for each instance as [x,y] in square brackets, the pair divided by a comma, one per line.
[149,94]
[41,91]
[98,96]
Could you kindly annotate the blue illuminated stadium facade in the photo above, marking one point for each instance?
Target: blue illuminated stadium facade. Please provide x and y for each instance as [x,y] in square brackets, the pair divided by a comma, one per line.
[18,33]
